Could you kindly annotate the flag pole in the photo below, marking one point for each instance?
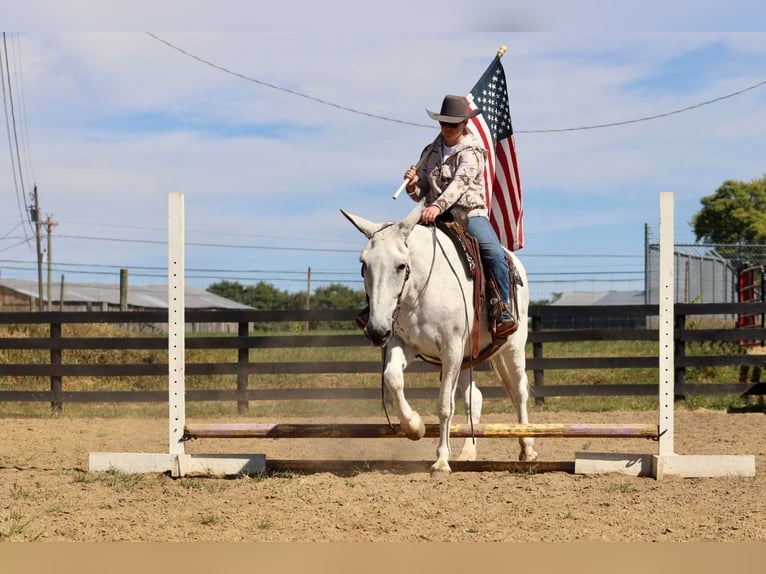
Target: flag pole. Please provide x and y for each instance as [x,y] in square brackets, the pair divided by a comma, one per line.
[502,50]
[417,165]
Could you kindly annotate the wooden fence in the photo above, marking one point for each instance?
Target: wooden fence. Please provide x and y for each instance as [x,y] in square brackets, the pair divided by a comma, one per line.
[549,324]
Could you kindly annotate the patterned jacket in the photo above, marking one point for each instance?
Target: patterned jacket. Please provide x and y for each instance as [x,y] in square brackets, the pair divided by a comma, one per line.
[456,181]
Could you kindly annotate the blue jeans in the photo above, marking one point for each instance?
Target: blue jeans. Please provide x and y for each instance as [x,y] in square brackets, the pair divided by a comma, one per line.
[492,254]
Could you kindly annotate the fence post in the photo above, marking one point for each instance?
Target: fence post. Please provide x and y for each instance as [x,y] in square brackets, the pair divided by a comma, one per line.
[679,324]
[56,359]
[537,353]
[243,358]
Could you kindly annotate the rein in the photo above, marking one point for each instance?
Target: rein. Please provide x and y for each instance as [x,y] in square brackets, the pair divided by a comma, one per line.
[395,324]
[485,353]
[467,363]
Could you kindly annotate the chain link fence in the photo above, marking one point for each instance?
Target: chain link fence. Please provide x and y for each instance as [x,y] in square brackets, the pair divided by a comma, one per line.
[704,273]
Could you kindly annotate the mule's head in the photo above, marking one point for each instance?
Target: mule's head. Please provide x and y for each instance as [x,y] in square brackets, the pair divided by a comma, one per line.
[385,269]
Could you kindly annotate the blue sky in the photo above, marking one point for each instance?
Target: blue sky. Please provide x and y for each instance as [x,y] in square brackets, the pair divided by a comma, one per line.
[110,123]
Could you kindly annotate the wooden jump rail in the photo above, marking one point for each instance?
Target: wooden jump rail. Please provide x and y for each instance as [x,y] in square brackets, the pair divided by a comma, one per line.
[362,430]
[180,463]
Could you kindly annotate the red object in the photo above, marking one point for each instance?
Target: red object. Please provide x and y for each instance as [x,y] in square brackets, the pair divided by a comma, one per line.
[501,174]
[750,283]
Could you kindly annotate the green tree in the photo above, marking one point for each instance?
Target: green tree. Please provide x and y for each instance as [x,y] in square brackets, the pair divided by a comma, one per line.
[337,296]
[264,296]
[228,289]
[734,215]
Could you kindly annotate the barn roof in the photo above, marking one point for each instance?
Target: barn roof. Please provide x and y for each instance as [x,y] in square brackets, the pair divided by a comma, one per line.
[601,298]
[144,296]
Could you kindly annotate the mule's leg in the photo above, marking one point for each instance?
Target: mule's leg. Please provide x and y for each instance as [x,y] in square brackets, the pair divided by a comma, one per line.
[445,409]
[393,377]
[510,366]
[472,399]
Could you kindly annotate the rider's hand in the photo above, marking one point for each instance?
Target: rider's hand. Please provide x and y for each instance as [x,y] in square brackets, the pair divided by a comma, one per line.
[430,213]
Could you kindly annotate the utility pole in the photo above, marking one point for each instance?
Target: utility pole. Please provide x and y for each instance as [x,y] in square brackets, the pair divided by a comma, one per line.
[36,219]
[123,289]
[49,225]
[308,289]
[308,294]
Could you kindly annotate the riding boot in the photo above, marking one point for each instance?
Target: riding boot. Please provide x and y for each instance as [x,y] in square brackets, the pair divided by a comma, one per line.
[507,325]
[502,321]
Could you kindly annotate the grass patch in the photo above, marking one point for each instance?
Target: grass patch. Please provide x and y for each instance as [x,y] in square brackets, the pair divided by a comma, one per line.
[280,410]
[112,478]
[59,507]
[14,526]
[622,488]
[209,519]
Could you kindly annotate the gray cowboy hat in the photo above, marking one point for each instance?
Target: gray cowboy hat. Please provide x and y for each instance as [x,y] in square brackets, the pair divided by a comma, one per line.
[454,110]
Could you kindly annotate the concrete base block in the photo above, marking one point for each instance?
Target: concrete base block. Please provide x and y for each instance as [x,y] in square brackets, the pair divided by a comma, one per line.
[220,464]
[177,465]
[702,466]
[613,462]
[687,466]
[130,462]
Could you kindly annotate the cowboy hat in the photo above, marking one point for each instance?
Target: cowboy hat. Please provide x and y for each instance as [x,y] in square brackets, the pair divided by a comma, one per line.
[454,110]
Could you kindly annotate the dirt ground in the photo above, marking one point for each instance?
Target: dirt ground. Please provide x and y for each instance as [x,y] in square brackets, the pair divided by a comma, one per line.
[46,493]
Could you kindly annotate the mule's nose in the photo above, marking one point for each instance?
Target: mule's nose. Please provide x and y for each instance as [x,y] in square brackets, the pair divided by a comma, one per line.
[377,337]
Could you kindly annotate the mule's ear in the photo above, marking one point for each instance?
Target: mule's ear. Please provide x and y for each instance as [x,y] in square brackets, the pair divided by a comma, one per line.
[409,222]
[364,225]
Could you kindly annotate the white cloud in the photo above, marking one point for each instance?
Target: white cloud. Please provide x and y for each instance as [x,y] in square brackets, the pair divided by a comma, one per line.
[117,121]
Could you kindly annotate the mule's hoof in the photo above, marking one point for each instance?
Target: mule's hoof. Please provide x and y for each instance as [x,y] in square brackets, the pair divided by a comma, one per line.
[416,434]
[440,469]
[528,456]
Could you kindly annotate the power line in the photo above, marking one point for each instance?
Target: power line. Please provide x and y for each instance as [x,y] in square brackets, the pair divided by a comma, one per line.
[10,125]
[317,249]
[385,118]
[158,268]
[197,244]
[647,118]
[279,88]
[19,69]
[9,247]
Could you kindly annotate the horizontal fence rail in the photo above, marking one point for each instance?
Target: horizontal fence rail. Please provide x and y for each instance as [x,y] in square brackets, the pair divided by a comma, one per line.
[548,325]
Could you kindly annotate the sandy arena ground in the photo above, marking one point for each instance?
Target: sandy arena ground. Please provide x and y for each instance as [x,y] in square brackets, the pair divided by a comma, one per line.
[46,493]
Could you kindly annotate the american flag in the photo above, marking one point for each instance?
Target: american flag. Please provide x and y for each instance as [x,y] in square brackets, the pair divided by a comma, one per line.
[501,174]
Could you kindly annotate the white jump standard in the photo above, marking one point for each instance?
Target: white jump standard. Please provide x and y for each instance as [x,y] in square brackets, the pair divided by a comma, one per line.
[666,462]
[178,463]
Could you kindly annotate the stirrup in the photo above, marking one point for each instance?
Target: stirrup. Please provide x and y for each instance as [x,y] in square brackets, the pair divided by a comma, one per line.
[502,321]
[504,328]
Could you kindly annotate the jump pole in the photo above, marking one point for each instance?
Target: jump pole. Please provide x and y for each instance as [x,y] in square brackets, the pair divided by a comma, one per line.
[176,461]
[666,462]
[362,430]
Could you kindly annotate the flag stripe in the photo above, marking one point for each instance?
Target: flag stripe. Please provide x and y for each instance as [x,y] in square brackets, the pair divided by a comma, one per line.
[502,182]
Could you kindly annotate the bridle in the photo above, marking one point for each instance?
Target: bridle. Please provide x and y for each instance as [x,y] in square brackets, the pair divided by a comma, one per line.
[407,271]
